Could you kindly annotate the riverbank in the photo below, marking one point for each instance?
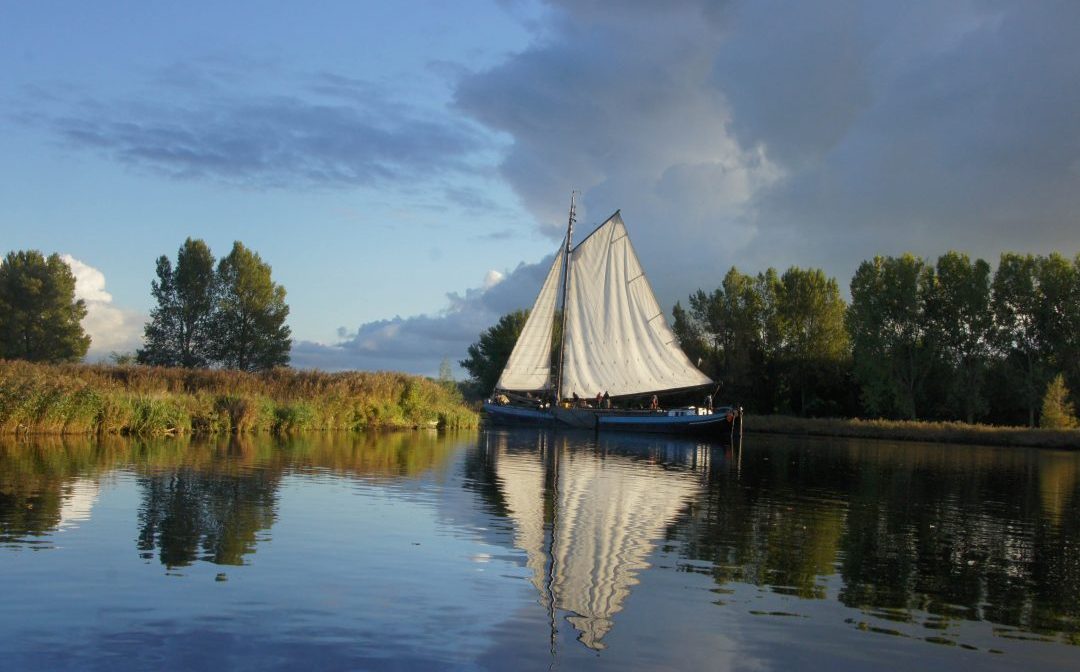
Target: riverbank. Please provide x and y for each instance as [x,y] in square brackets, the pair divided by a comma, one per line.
[901,430]
[150,401]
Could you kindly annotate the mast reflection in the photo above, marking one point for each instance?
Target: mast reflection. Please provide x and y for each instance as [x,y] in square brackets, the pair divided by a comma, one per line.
[588,519]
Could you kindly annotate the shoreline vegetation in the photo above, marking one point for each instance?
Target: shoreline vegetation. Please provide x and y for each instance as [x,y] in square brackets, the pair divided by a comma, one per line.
[908,430]
[154,401]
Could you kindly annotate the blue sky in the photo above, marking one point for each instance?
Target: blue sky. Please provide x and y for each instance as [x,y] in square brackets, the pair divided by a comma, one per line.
[405,167]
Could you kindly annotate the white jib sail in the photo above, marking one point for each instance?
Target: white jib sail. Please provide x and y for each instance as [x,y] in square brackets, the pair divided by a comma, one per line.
[617,338]
[529,366]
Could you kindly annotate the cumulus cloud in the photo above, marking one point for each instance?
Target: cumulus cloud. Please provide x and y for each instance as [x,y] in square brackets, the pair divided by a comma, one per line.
[210,121]
[111,328]
[775,133]
[418,344]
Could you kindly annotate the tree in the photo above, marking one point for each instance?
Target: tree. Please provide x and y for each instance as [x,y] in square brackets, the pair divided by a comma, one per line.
[1059,313]
[446,372]
[488,356]
[691,337]
[738,322]
[812,337]
[249,325]
[40,319]
[180,330]
[961,327]
[1018,336]
[1057,411]
[888,328]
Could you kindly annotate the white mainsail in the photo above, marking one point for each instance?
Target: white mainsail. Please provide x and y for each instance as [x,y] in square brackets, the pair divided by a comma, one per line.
[529,366]
[617,338]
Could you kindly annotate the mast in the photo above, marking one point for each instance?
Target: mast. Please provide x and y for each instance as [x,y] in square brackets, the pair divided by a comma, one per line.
[565,292]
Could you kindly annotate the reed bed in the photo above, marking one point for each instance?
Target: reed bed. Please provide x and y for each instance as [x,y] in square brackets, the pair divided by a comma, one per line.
[151,401]
[902,430]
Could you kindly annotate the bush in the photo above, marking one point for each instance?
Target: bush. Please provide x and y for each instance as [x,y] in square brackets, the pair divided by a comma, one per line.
[1057,411]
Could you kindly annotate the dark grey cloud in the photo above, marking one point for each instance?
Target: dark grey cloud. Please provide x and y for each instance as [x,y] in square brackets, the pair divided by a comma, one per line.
[775,133]
[201,121]
[419,344]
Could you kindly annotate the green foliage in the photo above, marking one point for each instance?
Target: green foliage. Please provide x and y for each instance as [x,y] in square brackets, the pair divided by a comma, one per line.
[232,317]
[813,341]
[249,327]
[960,326]
[40,320]
[773,342]
[1018,337]
[123,358]
[1037,317]
[180,330]
[1059,314]
[738,324]
[487,357]
[888,326]
[1057,411]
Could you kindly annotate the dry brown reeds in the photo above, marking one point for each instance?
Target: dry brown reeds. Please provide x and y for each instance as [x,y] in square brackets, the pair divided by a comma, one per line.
[86,399]
[903,430]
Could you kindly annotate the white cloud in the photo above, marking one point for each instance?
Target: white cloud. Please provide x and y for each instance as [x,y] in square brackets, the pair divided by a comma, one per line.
[418,344]
[111,328]
[493,278]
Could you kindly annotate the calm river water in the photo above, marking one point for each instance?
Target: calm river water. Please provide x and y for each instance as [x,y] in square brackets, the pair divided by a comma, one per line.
[523,550]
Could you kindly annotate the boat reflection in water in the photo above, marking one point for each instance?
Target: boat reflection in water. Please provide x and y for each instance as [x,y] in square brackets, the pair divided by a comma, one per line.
[588,520]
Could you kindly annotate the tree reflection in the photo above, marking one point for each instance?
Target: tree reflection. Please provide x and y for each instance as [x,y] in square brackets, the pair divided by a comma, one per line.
[951,531]
[45,483]
[210,512]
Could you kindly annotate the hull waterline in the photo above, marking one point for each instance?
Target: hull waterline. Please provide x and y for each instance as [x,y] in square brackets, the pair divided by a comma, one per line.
[717,426]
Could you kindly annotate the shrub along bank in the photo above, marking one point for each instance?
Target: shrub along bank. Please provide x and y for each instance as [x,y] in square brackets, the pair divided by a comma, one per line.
[140,400]
[905,430]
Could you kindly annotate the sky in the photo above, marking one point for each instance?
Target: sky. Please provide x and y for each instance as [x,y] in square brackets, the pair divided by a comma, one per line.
[406,167]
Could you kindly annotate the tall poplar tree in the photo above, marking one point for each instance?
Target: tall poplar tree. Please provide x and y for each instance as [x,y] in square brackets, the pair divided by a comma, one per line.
[1018,336]
[961,328]
[249,326]
[179,330]
[888,328]
[40,319]
[814,341]
[1059,313]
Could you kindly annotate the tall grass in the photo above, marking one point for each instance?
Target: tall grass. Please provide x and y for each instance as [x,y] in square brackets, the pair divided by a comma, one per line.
[904,430]
[81,399]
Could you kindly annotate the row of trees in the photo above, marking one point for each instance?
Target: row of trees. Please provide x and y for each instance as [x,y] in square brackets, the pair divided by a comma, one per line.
[232,316]
[949,340]
[229,314]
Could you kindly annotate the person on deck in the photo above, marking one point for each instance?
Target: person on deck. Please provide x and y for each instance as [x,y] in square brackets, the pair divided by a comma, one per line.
[607,400]
[654,405]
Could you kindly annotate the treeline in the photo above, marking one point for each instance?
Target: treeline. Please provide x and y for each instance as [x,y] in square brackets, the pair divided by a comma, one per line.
[226,314]
[944,341]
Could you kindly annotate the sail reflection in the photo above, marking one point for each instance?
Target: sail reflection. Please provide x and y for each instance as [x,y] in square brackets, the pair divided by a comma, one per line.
[587,521]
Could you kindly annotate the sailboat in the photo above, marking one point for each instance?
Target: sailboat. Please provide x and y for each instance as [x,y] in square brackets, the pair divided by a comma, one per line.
[615,346]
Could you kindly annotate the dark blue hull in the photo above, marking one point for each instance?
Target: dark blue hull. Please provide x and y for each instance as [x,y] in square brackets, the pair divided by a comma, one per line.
[716,426]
